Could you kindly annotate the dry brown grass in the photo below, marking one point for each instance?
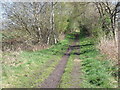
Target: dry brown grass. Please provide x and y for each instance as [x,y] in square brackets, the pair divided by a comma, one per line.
[109,47]
[61,37]
[39,47]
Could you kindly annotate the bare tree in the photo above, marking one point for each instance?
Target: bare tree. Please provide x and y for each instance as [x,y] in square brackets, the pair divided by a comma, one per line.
[108,9]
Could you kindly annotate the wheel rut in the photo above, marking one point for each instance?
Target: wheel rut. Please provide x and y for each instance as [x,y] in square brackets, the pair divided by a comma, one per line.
[76,80]
[53,80]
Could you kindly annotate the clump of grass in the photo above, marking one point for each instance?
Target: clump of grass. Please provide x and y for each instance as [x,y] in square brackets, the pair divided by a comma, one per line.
[97,70]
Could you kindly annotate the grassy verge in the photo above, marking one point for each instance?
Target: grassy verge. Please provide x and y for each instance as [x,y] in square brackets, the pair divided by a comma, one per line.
[97,70]
[29,69]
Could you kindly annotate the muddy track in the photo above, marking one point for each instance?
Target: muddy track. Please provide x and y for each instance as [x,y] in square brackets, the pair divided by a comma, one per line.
[54,78]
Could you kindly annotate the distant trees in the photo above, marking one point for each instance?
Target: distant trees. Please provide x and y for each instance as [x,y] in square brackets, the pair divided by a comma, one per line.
[34,20]
[44,22]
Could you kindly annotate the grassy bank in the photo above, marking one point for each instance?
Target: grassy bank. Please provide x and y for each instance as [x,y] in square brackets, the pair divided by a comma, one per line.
[29,69]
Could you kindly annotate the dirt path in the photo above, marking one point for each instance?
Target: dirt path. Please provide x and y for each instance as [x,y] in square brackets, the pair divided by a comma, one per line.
[53,80]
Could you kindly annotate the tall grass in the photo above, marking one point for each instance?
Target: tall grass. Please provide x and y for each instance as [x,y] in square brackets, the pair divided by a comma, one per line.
[108,44]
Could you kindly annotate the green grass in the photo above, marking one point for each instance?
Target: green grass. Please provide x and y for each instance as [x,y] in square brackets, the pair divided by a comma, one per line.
[29,69]
[96,68]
